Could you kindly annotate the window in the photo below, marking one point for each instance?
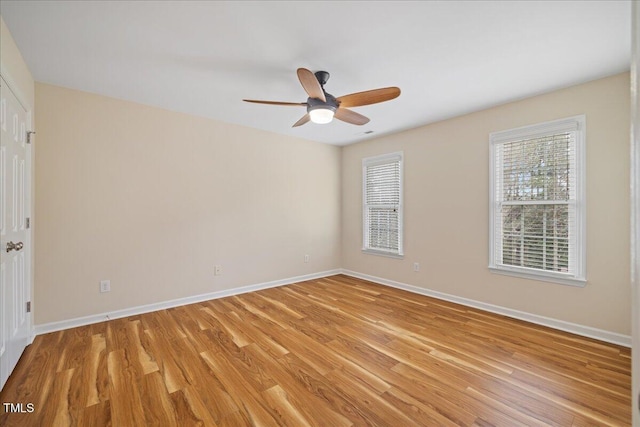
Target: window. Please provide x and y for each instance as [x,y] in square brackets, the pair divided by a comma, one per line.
[382,204]
[537,218]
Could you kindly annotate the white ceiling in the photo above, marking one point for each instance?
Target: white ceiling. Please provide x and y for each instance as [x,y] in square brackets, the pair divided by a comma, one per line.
[449,58]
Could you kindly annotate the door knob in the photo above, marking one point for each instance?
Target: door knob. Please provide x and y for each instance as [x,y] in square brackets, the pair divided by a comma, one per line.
[14,246]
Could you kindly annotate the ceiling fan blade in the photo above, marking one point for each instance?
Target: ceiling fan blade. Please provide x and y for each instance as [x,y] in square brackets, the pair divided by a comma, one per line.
[310,84]
[275,102]
[368,97]
[350,117]
[302,121]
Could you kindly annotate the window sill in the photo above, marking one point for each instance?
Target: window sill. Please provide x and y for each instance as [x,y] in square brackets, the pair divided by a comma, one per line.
[525,274]
[382,253]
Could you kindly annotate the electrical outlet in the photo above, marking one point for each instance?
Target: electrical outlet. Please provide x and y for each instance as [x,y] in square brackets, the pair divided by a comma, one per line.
[217,270]
[306,258]
[105,286]
[416,266]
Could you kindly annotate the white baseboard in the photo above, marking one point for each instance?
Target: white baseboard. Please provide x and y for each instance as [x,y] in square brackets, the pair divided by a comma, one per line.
[132,311]
[599,334]
[587,331]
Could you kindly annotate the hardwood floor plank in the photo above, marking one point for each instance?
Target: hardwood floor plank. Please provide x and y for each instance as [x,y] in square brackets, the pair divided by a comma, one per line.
[286,412]
[140,343]
[312,406]
[361,355]
[364,331]
[421,413]
[280,306]
[95,386]
[614,390]
[525,402]
[244,396]
[265,337]
[447,400]
[367,400]
[511,416]
[190,410]
[164,353]
[95,415]
[57,408]
[76,399]
[607,411]
[336,351]
[228,327]
[117,336]
[126,406]
[204,381]
[235,419]
[312,352]
[253,372]
[169,325]
[263,310]
[291,297]
[309,327]
[319,386]
[156,402]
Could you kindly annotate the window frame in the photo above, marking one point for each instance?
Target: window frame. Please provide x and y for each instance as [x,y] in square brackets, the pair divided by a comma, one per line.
[377,160]
[575,124]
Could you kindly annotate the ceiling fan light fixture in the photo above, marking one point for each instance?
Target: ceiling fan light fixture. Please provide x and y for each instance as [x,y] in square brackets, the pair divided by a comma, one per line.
[322,107]
[321,114]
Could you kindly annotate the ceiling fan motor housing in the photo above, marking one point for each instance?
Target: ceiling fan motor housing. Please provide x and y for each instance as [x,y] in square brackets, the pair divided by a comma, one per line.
[315,103]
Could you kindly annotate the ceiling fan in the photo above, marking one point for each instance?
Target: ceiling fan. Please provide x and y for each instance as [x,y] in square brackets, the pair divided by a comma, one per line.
[322,107]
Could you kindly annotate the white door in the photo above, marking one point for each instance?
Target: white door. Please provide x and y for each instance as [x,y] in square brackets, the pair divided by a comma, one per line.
[14,234]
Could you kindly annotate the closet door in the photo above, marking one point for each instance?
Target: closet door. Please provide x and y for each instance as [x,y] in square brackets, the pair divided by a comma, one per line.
[14,232]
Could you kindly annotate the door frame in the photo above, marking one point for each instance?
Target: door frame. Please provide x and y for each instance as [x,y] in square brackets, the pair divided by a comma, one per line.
[635,210]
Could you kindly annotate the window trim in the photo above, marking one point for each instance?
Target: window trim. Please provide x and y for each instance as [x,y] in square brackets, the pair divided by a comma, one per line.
[370,161]
[577,124]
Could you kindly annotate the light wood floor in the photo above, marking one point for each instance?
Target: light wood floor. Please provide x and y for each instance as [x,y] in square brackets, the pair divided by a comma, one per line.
[331,352]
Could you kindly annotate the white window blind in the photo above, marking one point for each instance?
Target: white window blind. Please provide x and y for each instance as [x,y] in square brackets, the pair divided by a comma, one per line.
[382,203]
[538,201]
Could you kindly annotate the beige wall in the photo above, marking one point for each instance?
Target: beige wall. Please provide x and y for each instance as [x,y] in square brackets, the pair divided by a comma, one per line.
[446,175]
[152,200]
